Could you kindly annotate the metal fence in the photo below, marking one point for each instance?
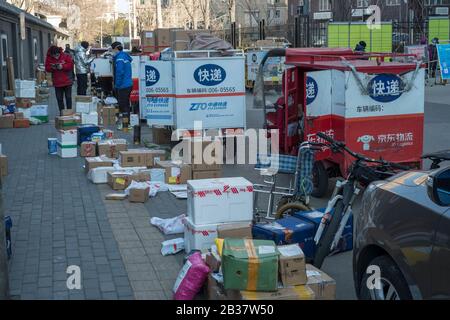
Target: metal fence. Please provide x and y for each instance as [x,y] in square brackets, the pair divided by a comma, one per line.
[305,32]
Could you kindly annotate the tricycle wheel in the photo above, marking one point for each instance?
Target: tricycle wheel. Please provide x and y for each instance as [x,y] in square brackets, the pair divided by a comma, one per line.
[291,207]
[320,179]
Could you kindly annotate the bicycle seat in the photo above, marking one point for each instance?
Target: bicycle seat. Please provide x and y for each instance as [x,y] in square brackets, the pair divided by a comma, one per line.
[440,155]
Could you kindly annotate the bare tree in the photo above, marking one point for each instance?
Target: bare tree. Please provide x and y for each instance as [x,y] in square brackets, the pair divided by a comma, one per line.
[26,5]
[204,7]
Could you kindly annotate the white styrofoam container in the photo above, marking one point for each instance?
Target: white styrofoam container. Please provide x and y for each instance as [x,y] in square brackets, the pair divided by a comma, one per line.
[223,200]
[100,175]
[83,107]
[25,84]
[25,93]
[200,236]
[40,110]
[67,137]
[89,118]
[102,67]
[67,151]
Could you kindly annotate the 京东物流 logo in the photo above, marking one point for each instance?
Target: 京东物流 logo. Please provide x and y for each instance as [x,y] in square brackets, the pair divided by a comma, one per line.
[210,75]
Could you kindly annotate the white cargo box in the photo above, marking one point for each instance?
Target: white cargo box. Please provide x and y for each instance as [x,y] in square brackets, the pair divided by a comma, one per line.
[67,151]
[67,137]
[83,107]
[100,175]
[102,67]
[26,112]
[25,84]
[200,236]
[210,88]
[89,118]
[25,93]
[224,200]
[40,110]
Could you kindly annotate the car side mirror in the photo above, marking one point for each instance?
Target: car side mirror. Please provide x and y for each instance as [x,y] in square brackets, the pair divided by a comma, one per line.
[439,187]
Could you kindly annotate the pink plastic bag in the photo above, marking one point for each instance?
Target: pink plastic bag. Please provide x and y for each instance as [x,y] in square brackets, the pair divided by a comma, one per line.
[191,278]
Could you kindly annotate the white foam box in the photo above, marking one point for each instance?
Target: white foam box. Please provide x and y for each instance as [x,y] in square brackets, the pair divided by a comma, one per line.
[67,151]
[67,137]
[83,107]
[25,84]
[40,110]
[26,112]
[100,175]
[223,200]
[25,93]
[200,236]
[89,118]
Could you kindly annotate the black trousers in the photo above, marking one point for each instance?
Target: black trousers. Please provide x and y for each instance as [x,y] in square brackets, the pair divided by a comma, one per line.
[82,84]
[61,93]
[123,98]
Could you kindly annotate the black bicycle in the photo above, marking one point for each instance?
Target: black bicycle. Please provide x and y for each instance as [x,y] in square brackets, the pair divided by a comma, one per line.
[362,172]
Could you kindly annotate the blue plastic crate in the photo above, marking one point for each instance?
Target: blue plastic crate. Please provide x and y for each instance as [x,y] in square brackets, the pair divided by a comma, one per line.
[346,242]
[288,230]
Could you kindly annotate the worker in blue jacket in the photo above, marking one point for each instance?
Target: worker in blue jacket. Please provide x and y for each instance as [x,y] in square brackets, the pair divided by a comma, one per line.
[123,82]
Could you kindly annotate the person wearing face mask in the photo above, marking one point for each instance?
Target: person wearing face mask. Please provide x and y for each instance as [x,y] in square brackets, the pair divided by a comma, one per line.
[82,67]
[60,65]
[123,82]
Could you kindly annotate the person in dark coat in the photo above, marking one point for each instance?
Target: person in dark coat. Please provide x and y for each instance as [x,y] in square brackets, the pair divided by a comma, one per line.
[433,56]
[60,65]
[361,47]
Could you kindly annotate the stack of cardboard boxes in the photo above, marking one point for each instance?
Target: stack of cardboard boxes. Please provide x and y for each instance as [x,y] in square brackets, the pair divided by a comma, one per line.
[67,134]
[246,269]
[160,39]
[86,107]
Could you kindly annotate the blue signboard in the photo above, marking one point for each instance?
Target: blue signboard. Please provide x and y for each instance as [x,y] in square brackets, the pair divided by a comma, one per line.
[385,88]
[312,90]
[444,60]
[210,75]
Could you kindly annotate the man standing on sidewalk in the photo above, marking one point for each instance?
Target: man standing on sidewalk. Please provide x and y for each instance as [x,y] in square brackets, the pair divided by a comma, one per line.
[60,65]
[82,67]
[123,83]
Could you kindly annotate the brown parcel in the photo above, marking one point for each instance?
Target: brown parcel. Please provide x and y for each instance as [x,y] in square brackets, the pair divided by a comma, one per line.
[161,135]
[292,266]
[291,293]
[7,121]
[139,195]
[201,175]
[92,163]
[112,148]
[215,291]
[18,115]
[69,122]
[323,285]
[88,149]
[235,231]
[122,180]
[23,103]
[141,158]
[3,165]
[108,114]
[174,170]
[213,261]
[21,123]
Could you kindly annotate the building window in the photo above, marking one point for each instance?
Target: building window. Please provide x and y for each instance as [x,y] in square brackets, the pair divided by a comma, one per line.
[324,5]
[392,2]
[4,49]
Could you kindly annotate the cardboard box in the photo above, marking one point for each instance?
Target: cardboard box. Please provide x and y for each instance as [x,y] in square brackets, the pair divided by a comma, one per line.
[291,293]
[67,122]
[292,265]
[112,148]
[139,195]
[119,180]
[141,157]
[18,115]
[250,265]
[88,149]
[199,175]
[163,38]
[216,292]
[235,231]
[176,173]
[182,38]
[97,162]
[3,165]
[323,285]
[148,41]
[7,121]
[21,123]
[108,115]
[89,118]
[68,112]
[213,261]
[24,102]
[161,135]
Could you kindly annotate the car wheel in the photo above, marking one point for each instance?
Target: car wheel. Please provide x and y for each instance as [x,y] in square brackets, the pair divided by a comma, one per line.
[392,284]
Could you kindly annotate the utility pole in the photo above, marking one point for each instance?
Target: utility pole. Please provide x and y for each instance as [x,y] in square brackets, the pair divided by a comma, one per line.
[134,20]
[130,5]
[4,281]
[159,23]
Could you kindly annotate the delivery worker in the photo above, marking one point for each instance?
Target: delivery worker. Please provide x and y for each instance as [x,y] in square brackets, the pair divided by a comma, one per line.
[82,67]
[361,47]
[60,65]
[123,83]
[433,56]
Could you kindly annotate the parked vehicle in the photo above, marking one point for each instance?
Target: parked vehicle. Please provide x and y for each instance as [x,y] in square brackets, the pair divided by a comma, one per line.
[403,235]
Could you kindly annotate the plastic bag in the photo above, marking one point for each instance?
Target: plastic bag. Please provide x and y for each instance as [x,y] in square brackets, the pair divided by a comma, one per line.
[191,278]
[111,100]
[172,246]
[169,226]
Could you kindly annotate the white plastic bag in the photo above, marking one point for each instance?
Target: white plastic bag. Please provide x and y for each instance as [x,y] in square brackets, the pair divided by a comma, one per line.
[169,226]
[172,246]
